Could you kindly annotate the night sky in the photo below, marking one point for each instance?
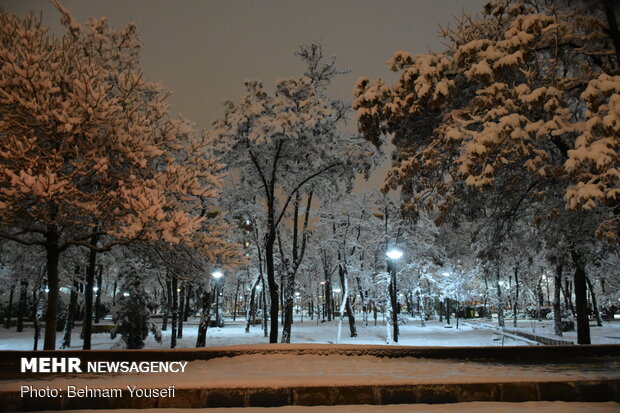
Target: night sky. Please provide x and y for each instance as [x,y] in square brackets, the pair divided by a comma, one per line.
[204,50]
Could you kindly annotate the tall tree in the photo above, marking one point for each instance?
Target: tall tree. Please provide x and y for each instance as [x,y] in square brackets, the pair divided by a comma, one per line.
[87,148]
[502,114]
[285,142]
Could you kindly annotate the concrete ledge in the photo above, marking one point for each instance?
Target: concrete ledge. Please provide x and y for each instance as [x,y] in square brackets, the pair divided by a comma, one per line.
[578,390]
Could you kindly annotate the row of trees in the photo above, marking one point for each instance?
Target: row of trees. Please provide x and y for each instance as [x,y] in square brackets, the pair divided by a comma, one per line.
[506,160]
[343,276]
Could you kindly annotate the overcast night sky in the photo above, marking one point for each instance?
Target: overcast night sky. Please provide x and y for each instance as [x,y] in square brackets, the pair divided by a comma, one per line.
[204,50]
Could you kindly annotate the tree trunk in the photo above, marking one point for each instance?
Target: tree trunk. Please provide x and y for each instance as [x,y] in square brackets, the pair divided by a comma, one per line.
[363,302]
[264,300]
[540,299]
[9,309]
[516,298]
[114,288]
[485,307]
[500,302]
[557,310]
[66,340]
[175,313]
[98,295]
[88,294]
[448,310]
[440,311]
[612,24]
[164,319]
[251,312]
[205,316]
[347,307]
[236,301]
[35,318]
[374,313]
[52,256]
[181,310]
[568,299]
[597,313]
[581,300]
[188,296]
[288,315]
[273,286]
[351,315]
[457,314]
[409,298]
[422,309]
[548,294]
[22,305]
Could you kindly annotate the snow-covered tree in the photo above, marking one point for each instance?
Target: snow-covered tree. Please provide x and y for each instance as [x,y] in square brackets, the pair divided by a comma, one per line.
[88,156]
[131,313]
[520,107]
[283,143]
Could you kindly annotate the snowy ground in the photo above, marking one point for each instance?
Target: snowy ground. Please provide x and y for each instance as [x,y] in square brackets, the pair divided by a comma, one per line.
[278,370]
[477,407]
[290,370]
[411,334]
[608,334]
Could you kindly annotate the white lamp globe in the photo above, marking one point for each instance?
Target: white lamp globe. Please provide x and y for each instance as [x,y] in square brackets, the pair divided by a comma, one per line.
[217,274]
[394,254]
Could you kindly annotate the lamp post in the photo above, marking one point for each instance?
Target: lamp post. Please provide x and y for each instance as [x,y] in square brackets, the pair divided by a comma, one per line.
[393,255]
[339,303]
[217,275]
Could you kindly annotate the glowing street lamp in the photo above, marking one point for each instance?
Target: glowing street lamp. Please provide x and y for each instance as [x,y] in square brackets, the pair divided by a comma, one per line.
[394,254]
[322,305]
[338,296]
[217,275]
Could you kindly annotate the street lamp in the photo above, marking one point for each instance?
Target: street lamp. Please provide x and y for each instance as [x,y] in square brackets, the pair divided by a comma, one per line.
[394,254]
[217,274]
[339,297]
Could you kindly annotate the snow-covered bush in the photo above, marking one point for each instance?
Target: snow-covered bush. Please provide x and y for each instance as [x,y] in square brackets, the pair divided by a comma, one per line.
[131,315]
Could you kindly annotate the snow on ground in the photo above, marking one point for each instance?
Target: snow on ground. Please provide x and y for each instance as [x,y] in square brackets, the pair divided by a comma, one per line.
[608,334]
[289,370]
[477,407]
[308,331]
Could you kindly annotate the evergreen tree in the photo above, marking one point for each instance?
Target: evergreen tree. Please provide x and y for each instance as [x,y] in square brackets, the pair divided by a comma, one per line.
[131,314]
